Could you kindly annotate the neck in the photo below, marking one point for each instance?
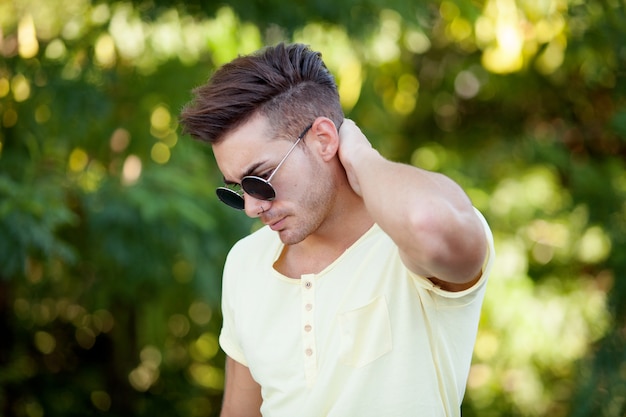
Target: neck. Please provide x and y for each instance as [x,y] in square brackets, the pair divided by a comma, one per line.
[345,224]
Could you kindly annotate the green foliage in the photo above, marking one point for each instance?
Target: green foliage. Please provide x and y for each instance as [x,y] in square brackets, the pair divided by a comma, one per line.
[112,243]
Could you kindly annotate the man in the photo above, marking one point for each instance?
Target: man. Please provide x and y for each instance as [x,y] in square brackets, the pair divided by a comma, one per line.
[361,296]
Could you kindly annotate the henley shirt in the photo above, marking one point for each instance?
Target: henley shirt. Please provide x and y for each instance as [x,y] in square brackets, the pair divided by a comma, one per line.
[365,337]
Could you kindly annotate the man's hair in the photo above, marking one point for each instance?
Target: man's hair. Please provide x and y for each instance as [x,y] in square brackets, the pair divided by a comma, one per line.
[288,84]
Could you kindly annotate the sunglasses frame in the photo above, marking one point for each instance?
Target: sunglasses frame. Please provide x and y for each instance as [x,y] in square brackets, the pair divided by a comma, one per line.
[234,198]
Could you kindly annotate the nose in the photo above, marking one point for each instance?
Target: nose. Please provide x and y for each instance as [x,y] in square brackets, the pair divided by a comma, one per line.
[254,206]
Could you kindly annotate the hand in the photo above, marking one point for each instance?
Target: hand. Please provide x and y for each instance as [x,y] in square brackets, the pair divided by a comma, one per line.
[352,142]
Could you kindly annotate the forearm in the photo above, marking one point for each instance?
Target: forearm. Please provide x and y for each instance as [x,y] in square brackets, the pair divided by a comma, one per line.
[242,395]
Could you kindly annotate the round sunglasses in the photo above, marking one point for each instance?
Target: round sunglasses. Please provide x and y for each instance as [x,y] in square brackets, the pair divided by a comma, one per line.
[254,186]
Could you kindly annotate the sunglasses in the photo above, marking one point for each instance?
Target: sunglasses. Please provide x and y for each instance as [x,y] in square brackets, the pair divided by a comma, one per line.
[254,186]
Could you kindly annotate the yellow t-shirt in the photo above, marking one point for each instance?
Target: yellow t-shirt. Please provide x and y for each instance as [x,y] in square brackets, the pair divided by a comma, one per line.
[363,338]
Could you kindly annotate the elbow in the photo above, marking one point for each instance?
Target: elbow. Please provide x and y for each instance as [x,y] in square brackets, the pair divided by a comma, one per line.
[474,254]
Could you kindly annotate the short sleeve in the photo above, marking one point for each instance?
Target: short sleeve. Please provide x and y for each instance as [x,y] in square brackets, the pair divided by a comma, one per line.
[228,339]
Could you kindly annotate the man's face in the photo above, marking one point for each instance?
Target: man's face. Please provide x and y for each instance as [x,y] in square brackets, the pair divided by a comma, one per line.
[303,185]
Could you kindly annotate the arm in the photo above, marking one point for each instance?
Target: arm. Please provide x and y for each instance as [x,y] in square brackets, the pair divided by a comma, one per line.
[242,394]
[427,214]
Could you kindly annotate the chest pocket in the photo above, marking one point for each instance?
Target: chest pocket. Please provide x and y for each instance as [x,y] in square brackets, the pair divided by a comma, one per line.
[365,333]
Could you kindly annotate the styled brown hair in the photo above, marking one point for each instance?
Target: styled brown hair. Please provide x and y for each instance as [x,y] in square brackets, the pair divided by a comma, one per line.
[289,84]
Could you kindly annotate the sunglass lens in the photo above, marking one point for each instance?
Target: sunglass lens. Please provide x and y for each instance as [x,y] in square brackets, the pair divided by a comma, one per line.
[257,188]
[230,198]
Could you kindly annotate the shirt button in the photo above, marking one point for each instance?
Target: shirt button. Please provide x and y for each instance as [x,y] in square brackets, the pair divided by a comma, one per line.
[308,307]
[308,285]
[308,328]
[309,352]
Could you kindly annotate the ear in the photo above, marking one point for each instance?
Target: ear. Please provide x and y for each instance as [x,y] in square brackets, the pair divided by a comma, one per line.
[326,137]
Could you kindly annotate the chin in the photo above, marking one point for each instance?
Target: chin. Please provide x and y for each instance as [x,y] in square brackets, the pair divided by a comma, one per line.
[288,237]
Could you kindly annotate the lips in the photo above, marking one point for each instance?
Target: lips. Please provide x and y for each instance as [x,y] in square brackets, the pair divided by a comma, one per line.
[275,226]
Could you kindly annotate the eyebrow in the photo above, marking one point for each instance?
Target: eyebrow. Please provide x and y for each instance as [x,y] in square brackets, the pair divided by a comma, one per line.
[248,172]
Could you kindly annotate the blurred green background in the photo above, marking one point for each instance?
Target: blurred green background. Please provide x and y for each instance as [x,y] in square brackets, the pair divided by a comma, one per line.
[112,242]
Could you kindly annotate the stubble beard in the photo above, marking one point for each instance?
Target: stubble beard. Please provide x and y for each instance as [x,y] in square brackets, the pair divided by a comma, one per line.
[313,211]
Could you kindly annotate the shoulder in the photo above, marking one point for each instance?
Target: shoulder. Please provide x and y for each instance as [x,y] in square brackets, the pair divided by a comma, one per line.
[258,249]
[263,236]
